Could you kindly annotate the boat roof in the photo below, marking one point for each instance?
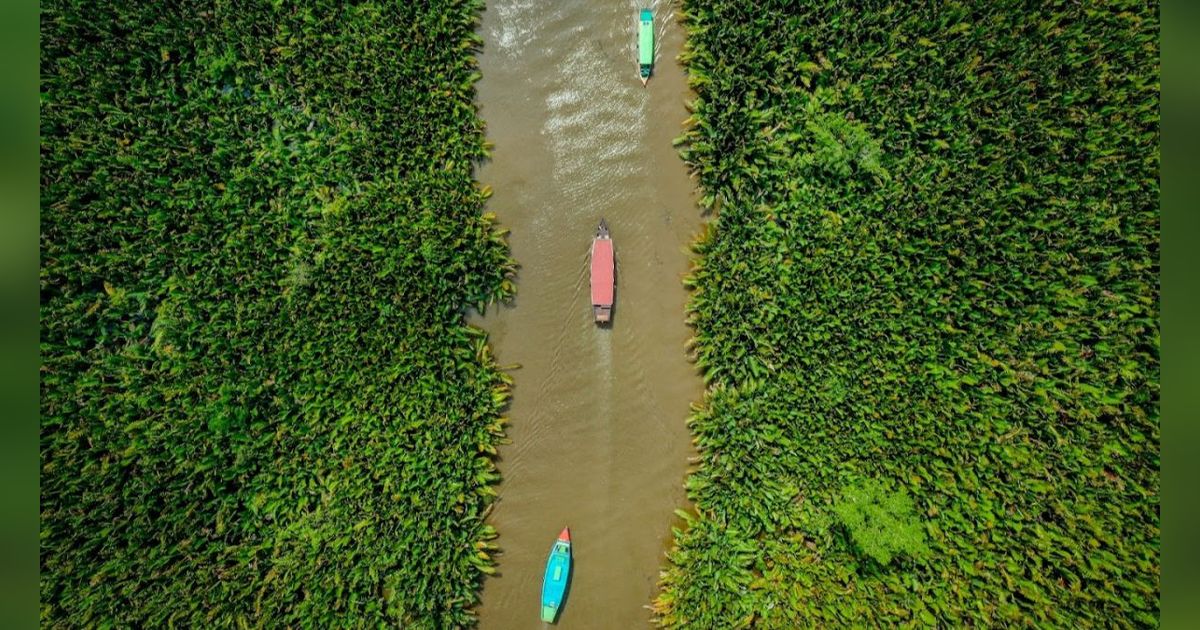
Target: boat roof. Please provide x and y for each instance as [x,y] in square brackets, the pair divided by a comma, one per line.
[646,39]
[602,272]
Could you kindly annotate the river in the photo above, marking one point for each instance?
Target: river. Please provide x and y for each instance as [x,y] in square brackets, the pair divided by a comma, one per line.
[597,419]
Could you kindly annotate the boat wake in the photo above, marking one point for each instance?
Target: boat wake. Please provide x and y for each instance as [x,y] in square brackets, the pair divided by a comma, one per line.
[595,119]
[518,21]
[571,314]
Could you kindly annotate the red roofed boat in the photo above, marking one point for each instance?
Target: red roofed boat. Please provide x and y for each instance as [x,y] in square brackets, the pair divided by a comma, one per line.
[603,271]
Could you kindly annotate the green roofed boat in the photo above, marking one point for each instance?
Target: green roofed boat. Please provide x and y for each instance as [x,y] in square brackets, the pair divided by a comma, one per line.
[646,45]
[558,571]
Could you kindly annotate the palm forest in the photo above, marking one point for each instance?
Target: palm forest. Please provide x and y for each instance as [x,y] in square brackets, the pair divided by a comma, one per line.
[924,307]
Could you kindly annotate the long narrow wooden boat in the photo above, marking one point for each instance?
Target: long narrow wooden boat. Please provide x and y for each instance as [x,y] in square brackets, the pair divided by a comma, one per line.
[645,45]
[603,271]
[558,572]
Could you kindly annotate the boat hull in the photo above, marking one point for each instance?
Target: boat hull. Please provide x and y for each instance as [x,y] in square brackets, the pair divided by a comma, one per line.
[645,45]
[603,278]
[558,575]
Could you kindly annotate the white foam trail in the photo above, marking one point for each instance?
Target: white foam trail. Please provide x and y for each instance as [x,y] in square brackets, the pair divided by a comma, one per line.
[517,23]
[593,123]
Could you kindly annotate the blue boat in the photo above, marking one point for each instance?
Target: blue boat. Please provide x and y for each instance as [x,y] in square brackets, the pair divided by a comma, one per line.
[558,571]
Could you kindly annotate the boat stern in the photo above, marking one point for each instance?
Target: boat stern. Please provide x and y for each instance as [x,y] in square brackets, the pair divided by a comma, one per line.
[603,313]
[549,613]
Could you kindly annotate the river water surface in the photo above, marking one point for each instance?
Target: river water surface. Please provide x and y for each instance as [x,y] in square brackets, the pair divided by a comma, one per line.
[597,420]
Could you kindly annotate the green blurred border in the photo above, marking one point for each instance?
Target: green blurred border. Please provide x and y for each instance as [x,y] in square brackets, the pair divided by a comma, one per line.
[19,459]
[1180,262]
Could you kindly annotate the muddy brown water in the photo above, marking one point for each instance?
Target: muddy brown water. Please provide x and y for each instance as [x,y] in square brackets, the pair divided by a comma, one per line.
[597,419]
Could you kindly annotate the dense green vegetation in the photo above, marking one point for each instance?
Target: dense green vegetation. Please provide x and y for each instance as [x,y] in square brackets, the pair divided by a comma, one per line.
[260,403]
[934,268]
[881,521]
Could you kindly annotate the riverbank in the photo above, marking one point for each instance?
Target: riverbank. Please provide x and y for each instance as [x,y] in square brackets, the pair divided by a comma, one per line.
[927,313]
[260,402]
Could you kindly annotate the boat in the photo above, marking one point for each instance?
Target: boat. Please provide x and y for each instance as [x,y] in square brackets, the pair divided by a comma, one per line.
[558,573]
[603,271]
[646,45]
